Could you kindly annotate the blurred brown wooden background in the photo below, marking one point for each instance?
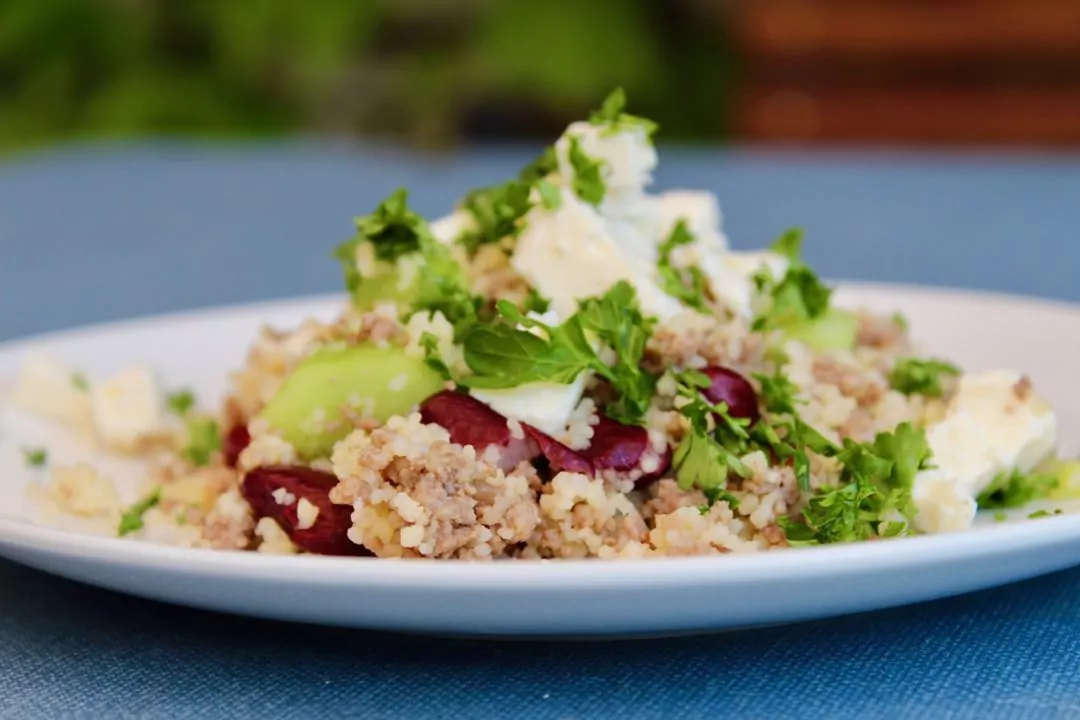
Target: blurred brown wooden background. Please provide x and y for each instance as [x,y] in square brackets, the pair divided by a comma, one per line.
[907,71]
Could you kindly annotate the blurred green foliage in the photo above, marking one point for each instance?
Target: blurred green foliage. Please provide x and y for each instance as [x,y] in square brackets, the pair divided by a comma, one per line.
[429,71]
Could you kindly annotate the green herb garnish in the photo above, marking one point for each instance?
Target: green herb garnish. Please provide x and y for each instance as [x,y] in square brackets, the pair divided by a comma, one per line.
[545,164]
[712,448]
[1043,513]
[496,211]
[588,181]
[80,382]
[395,231]
[790,245]
[504,353]
[798,296]
[535,302]
[614,119]
[913,376]
[132,519]
[688,285]
[874,496]
[204,439]
[180,402]
[35,456]
[432,356]
[1016,489]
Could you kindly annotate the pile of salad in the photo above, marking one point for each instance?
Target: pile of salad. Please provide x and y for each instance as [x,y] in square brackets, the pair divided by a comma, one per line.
[565,366]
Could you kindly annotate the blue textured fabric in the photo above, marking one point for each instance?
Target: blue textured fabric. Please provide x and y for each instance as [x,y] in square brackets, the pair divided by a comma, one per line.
[102,233]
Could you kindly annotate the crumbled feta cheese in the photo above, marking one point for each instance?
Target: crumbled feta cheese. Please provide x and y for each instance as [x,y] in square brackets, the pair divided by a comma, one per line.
[127,408]
[449,228]
[80,490]
[544,405]
[731,276]
[991,426]
[569,253]
[700,210]
[47,388]
[306,514]
[628,158]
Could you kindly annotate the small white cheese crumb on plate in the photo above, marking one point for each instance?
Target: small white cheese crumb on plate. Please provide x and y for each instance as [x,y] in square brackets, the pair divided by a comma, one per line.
[128,408]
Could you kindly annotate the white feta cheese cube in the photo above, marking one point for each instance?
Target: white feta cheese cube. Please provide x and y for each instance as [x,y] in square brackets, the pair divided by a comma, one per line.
[993,424]
[127,408]
[701,212]
[731,276]
[48,388]
[628,156]
[569,253]
[449,228]
[544,405]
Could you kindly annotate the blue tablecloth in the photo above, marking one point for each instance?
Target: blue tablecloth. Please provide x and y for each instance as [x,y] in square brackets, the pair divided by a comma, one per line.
[101,233]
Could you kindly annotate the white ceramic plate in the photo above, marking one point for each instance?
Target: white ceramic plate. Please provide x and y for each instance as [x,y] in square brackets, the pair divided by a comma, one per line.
[563,597]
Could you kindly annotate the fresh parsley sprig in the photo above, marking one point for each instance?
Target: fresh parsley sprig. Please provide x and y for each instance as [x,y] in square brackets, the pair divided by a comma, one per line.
[798,296]
[514,349]
[873,498]
[612,116]
[687,284]
[132,519]
[395,231]
[496,212]
[714,444]
[1015,489]
[913,376]
[35,456]
[203,440]
[588,183]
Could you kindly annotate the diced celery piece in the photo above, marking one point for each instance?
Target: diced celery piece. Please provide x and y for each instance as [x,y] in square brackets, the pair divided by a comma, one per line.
[835,330]
[310,409]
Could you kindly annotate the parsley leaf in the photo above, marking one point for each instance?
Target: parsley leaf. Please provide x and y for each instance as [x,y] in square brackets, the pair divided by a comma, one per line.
[550,195]
[799,295]
[432,356]
[790,245]
[588,181]
[611,114]
[36,456]
[132,519]
[544,164]
[535,302]
[913,376]
[711,449]
[203,441]
[180,402]
[395,231]
[503,355]
[778,392]
[874,495]
[80,382]
[497,211]
[687,285]
[441,286]
[1016,489]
